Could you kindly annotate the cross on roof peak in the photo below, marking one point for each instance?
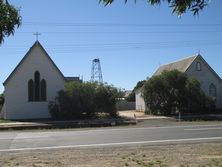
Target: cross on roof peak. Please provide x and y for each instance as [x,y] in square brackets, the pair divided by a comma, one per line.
[37,35]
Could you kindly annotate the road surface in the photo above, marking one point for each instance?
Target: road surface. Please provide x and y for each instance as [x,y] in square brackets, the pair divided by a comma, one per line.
[51,139]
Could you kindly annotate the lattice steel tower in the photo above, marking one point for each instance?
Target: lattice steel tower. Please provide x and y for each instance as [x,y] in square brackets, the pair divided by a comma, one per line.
[96,73]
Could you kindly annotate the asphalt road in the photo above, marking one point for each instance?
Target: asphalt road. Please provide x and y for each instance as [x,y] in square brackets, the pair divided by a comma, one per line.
[35,140]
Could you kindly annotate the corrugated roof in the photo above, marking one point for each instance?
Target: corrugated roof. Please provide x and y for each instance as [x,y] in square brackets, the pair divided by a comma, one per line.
[181,65]
[71,79]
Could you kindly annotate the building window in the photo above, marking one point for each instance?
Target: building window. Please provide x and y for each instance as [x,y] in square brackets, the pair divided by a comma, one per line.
[30,90]
[212,90]
[43,90]
[198,66]
[37,89]
[37,86]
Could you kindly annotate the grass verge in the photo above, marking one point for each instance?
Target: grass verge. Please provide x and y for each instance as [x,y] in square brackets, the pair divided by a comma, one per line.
[178,155]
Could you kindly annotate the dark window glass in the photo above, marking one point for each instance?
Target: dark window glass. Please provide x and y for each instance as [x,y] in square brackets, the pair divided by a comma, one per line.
[30,90]
[198,66]
[43,90]
[212,90]
[37,86]
[37,90]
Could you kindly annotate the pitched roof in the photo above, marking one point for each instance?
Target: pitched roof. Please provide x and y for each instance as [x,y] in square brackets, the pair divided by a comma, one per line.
[37,43]
[181,65]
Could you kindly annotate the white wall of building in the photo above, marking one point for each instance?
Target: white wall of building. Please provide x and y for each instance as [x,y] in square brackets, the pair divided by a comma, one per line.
[206,77]
[140,103]
[17,105]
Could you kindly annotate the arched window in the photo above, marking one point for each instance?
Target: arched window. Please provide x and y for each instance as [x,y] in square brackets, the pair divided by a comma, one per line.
[37,90]
[30,90]
[37,86]
[212,90]
[198,66]
[43,90]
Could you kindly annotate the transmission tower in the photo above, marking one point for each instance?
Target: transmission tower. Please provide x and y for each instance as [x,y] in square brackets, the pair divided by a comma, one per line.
[96,73]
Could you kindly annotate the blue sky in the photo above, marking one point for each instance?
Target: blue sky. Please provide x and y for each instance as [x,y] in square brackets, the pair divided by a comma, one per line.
[130,40]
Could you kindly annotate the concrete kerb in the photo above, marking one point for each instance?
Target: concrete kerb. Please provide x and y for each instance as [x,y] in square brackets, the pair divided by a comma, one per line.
[66,124]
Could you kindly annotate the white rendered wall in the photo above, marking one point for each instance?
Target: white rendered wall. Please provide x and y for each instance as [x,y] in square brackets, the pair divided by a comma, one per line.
[16,89]
[140,103]
[206,77]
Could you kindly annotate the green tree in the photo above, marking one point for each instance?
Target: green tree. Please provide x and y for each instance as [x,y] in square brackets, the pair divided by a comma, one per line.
[178,6]
[105,100]
[196,100]
[9,19]
[84,100]
[131,96]
[171,91]
[157,95]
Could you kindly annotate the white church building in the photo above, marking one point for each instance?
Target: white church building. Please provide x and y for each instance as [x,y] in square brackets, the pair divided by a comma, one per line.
[32,85]
[194,66]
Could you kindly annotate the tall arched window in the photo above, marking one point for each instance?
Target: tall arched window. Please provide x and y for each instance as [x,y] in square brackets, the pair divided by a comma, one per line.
[30,90]
[198,66]
[37,86]
[43,90]
[36,89]
[212,90]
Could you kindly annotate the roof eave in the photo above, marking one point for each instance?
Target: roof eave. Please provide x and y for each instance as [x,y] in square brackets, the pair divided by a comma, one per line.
[23,59]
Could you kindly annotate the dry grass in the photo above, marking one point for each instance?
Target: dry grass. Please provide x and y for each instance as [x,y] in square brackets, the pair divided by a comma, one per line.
[181,155]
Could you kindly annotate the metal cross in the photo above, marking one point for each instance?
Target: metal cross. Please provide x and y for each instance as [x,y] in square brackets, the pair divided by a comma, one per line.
[37,35]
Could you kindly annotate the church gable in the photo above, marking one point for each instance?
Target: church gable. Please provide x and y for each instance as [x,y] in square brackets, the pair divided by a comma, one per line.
[201,69]
[210,81]
[33,83]
[33,58]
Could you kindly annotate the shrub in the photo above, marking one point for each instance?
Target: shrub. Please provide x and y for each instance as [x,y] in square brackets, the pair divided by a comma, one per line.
[131,97]
[171,91]
[84,100]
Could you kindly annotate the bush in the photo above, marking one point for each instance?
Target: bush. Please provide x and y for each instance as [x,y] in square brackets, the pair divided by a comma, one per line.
[131,97]
[84,100]
[172,91]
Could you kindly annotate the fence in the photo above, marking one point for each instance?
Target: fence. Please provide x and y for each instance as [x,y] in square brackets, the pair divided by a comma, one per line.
[125,105]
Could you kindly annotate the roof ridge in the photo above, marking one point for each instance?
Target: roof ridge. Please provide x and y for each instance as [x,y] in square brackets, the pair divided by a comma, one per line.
[181,65]
[179,60]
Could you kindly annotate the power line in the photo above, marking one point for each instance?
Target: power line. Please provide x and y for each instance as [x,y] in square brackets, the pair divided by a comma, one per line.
[120,32]
[119,24]
[141,46]
[121,44]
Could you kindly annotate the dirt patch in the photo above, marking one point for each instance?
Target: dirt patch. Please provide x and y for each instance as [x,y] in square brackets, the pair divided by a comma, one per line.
[181,155]
[131,113]
[139,115]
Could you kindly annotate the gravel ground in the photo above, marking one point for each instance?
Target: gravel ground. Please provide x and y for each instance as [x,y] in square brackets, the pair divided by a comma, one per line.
[181,155]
